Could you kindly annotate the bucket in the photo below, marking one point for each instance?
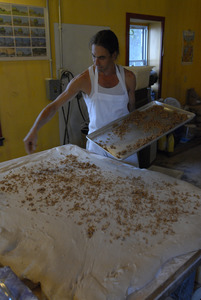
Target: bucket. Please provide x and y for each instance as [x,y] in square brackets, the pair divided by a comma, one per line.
[196,295]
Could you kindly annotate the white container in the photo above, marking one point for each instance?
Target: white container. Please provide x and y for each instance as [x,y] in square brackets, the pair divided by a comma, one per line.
[142,74]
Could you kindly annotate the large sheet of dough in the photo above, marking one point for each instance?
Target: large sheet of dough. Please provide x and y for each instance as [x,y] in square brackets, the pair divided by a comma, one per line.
[89,227]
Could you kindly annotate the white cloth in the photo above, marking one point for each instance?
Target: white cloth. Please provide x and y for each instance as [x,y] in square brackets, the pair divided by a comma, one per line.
[50,200]
[105,108]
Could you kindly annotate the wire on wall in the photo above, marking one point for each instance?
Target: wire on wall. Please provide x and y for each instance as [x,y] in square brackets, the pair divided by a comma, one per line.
[69,76]
[50,49]
[60,37]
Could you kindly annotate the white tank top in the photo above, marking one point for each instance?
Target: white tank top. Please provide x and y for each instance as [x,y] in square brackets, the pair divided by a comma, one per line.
[116,90]
[105,104]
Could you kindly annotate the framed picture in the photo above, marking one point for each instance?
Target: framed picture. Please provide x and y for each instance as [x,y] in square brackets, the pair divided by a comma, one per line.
[188,46]
[23,32]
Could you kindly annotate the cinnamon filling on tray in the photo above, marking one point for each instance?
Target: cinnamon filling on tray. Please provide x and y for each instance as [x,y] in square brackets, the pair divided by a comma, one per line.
[154,122]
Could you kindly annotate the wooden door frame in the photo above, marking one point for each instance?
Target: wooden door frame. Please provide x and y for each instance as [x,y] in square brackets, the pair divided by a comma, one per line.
[130,16]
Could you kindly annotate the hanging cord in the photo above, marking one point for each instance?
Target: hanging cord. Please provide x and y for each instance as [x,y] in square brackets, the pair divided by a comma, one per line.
[68,75]
[65,75]
[66,134]
[79,96]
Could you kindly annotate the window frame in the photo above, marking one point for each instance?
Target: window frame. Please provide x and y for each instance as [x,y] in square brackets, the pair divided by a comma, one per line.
[144,53]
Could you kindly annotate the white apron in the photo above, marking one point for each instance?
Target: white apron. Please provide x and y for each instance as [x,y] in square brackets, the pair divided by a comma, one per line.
[105,108]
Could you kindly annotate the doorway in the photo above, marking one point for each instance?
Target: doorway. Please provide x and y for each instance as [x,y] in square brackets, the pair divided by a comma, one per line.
[156,26]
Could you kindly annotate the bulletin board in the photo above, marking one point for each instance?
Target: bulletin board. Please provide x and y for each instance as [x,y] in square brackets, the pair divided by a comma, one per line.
[73,54]
[23,32]
[75,46]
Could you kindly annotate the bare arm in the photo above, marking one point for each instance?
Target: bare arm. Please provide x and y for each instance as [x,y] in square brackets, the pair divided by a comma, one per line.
[131,85]
[80,83]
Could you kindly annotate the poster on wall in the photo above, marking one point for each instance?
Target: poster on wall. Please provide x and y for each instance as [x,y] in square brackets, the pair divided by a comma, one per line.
[188,45]
[23,32]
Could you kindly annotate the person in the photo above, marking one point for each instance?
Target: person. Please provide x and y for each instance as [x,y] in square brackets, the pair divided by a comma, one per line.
[108,90]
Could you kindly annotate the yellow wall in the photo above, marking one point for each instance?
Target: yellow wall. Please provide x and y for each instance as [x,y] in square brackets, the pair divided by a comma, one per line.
[22,83]
[22,96]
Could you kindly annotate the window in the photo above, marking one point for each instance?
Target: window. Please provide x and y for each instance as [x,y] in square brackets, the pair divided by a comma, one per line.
[138,36]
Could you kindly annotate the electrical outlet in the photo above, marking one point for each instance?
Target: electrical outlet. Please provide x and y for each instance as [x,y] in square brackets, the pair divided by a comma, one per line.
[53,88]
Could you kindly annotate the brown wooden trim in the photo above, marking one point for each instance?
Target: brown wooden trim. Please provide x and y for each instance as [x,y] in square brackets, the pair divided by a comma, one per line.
[149,18]
[0,131]
[1,136]
[161,58]
[127,37]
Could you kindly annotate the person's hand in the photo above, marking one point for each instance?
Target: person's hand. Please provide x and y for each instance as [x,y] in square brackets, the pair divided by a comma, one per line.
[30,142]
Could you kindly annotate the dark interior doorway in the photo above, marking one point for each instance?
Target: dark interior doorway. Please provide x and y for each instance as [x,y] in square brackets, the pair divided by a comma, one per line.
[152,21]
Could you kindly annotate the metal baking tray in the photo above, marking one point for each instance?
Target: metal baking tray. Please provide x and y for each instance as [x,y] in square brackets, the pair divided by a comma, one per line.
[176,279]
[139,132]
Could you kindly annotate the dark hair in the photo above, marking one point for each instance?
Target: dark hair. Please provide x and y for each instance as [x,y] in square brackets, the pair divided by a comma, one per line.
[106,39]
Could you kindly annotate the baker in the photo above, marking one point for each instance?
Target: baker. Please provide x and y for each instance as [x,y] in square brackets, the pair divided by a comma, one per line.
[108,90]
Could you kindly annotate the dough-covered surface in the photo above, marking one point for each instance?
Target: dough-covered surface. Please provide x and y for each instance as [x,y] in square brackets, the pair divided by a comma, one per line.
[88,227]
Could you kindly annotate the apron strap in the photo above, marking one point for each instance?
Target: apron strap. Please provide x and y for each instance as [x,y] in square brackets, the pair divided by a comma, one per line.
[123,84]
[96,81]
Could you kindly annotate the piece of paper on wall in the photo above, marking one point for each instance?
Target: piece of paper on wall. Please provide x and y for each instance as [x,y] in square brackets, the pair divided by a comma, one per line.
[188,45]
[75,46]
[76,58]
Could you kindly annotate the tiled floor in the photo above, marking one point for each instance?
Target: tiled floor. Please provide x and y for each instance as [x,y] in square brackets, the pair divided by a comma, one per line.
[188,163]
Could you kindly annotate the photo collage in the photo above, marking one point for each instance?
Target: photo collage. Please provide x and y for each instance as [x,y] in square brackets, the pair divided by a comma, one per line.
[22,31]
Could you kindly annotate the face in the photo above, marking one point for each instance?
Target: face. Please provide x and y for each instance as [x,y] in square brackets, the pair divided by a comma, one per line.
[102,58]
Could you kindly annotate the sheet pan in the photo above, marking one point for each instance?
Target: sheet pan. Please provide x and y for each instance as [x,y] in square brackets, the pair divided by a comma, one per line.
[174,281]
[131,133]
[170,277]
